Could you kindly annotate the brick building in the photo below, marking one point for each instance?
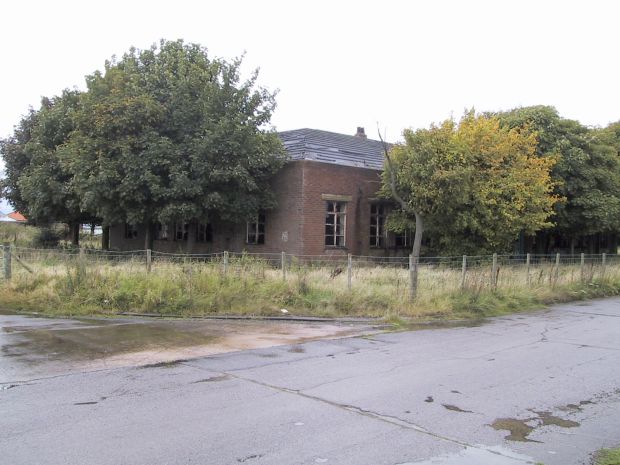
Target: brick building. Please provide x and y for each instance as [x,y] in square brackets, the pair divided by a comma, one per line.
[327,204]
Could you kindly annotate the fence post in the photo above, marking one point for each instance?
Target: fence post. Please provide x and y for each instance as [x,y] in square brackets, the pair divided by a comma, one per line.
[6,252]
[528,261]
[463,271]
[582,271]
[557,269]
[283,260]
[148,260]
[349,270]
[413,277]
[603,265]
[225,261]
[494,272]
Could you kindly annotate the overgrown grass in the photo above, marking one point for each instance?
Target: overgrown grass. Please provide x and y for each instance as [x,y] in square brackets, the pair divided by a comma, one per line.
[607,457]
[81,286]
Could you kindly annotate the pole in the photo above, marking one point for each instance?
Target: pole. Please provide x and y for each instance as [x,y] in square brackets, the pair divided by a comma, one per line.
[494,272]
[225,262]
[582,271]
[413,275]
[283,261]
[349,270]
[463,271]
[528,261]
[6,249]
[557,268]
[149,259]
[603,265]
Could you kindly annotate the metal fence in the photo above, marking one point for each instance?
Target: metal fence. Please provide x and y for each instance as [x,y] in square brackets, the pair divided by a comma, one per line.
[351,272]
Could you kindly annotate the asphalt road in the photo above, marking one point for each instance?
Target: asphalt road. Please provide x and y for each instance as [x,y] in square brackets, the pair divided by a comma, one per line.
[424,396]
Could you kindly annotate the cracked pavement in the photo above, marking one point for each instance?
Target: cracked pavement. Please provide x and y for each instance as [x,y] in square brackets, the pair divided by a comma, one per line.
[411,397]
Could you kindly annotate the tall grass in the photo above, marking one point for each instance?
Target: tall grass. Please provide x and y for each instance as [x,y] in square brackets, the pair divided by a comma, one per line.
[73,284]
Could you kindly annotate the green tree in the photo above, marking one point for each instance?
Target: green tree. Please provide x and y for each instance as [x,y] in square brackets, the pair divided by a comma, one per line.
[473,185]
[16,160]
[587,174]
[37,181]
[170,134]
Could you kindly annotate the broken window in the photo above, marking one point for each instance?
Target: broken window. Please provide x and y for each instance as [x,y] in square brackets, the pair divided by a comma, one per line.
[131,231]
[377,225]
[403,239]
[161,231]
[181,231]
[255,232]
[204,232]
[335,223]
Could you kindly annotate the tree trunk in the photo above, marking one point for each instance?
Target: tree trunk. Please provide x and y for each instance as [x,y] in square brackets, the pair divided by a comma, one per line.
[191,236]
[417,245]
[75,234]
[148,235]
[572,245]
[105,238]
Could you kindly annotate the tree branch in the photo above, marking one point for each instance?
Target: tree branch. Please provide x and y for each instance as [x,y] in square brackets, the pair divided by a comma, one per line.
[393,189]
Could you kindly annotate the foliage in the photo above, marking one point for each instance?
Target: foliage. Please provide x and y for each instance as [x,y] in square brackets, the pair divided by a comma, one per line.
[476,184]
[608,457]
[17,159]
[168,133]
[587,173]
[46,238]
[38,183]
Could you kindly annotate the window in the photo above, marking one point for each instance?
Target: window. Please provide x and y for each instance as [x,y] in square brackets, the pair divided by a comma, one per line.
[335,223]
[204,232]
[377,225]
[256,230]
[403,239]
[180,231]
[131,231]
[161,231]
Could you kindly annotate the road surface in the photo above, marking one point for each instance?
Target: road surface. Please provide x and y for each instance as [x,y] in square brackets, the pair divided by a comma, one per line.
[538,387]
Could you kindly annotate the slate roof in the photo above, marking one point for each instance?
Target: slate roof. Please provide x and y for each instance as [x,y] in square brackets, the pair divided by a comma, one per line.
[331,147]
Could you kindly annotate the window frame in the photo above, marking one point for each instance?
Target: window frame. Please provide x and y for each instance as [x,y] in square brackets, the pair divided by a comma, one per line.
[162,232]
[204,232]
[336,209]
[255,230]
[406,241]
[131,231]
[377,222]
[184,230]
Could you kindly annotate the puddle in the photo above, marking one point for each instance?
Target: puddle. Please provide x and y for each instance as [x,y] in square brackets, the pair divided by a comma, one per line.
[478,455]
[551,420]
[519,429]
[32,346]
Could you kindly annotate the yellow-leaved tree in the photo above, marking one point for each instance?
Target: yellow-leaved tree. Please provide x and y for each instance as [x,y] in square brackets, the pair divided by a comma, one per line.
[473,186]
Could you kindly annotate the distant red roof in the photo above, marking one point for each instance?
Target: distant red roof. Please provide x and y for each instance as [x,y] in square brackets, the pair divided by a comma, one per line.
[17,216]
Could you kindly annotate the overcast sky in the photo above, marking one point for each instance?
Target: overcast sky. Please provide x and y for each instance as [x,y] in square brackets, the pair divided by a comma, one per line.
[340,64]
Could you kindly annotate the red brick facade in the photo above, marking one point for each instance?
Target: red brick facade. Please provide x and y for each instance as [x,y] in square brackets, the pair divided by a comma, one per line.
[297,225]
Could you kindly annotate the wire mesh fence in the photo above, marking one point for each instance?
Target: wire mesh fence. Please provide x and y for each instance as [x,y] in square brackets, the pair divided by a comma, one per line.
[435,274]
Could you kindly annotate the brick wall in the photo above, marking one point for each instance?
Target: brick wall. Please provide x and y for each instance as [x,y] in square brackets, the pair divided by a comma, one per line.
[297,225]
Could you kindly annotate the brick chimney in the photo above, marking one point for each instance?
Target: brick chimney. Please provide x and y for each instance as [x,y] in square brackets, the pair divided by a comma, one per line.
[360,133]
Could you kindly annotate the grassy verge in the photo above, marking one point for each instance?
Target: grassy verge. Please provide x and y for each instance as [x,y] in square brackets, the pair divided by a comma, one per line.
[84,288]
[607,457]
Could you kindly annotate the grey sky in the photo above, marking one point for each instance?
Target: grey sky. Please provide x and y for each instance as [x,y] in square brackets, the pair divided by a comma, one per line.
[340,64]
